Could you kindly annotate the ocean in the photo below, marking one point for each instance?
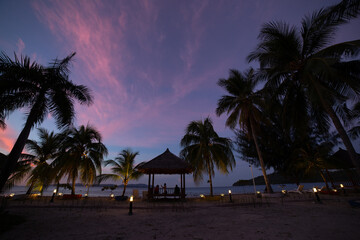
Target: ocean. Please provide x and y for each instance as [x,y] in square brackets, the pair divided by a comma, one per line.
[96,191]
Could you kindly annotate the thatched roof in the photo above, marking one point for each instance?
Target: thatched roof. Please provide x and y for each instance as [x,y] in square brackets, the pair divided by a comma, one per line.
[340,160]
[165,163]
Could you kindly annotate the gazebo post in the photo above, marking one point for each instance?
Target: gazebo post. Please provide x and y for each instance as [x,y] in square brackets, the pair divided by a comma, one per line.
[149,187]
[184,186]
[181,185]
[153,181]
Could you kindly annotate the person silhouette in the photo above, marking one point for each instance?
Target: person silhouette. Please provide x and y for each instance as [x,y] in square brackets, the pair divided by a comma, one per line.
[177,190]
[164,188]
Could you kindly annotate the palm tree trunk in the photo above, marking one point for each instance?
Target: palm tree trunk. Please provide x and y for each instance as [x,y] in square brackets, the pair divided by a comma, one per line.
[30,188]
[73,185]
[340,128]
[57,187]
[15,153]
[267,182]
[210,178]
[123,193]
[324,179]
[331,179]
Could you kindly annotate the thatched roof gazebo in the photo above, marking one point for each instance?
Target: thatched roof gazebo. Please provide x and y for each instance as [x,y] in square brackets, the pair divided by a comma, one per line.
[165,163]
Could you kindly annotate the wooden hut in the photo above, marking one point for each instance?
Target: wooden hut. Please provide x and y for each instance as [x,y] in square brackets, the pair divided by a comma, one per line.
[165,163]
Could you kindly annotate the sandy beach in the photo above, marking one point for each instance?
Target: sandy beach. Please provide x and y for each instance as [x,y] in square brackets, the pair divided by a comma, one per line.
[294,217]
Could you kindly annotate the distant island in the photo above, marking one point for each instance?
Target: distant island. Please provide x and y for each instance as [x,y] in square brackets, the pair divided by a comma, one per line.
[276,178]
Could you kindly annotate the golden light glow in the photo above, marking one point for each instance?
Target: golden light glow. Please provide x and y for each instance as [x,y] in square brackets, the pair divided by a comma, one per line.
[283,191]
[257,192]
[131,198]
[229,191]
[342,186]
[202,195]
[112,195]
[222,195]
[60,194]
[12,194]
[54,191]
[86,194]
[315,189]
[334,190]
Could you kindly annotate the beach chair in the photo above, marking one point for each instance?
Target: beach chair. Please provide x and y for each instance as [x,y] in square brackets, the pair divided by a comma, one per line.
[298,190]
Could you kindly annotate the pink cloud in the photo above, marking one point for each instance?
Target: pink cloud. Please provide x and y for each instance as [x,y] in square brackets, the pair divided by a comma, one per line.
[7,139]
[127,97]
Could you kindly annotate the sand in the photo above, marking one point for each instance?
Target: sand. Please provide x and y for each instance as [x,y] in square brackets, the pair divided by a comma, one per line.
[294,217]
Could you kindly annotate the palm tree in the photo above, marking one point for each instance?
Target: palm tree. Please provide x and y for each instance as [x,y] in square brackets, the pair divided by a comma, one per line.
[42,90]
[328,75]
[82,155]
[204,150]
[313,158]
[44,150]
[123,168]
[243,106]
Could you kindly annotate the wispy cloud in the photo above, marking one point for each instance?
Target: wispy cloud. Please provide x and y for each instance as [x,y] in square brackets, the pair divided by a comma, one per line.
[20,46]
[122,55]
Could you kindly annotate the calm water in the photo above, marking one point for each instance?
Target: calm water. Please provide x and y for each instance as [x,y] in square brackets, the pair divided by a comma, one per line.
[191,191]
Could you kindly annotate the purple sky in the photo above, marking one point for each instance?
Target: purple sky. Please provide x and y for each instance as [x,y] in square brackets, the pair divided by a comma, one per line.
[152,65]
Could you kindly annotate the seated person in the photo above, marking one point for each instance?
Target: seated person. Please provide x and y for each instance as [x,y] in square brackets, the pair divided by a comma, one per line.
[156,190]
[177,190]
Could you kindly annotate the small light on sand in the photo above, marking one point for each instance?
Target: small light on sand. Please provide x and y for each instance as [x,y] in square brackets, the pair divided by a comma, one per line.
[229,191]
[112,195]
[315,189]
[202,195]
[342,186]
[54,191]
[222,194]
[86,194]
[283,191]
[12,194]
[60,194]
[130,205]
[334,190]
[257,192]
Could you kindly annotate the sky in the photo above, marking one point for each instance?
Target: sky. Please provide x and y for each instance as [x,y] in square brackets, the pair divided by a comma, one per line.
[152,66]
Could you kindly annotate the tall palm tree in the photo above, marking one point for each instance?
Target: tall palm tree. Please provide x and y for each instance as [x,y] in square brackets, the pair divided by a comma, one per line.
[123,168]
[205,150]
[243,106]
[82,155]
[329,75]
[42,90]
[46,149]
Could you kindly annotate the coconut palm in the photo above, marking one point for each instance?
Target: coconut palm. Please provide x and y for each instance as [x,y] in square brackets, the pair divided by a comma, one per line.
[42,90]
[123,168]
[328,75]
[313,158]
[43,151]
[82,155]
[205,150]
[243,106]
